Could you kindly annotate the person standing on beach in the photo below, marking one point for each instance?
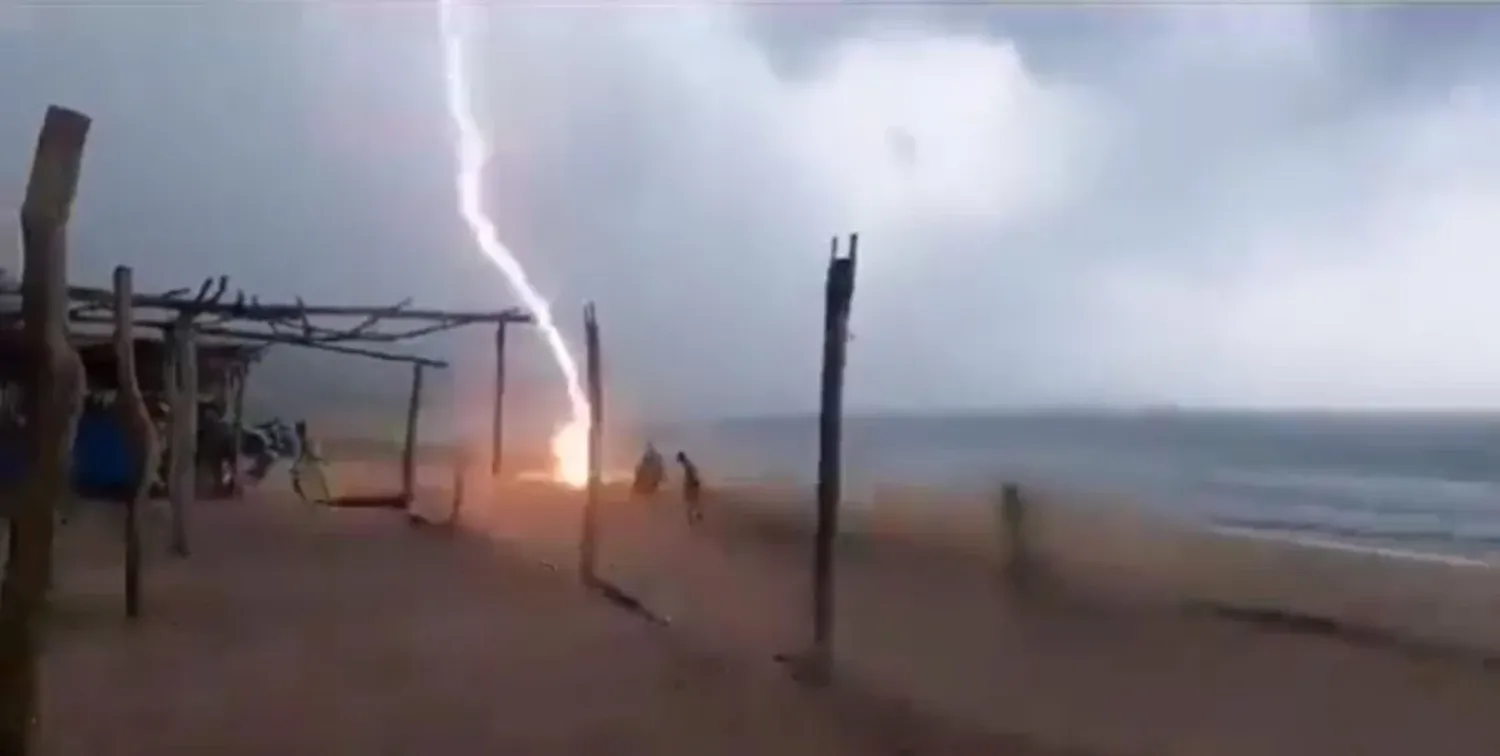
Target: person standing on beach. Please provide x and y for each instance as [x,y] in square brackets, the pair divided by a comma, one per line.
[649,472]
[216,445]
[692,489]
[306,459]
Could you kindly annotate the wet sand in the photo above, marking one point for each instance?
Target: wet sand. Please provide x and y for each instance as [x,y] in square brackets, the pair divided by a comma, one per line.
[298,630]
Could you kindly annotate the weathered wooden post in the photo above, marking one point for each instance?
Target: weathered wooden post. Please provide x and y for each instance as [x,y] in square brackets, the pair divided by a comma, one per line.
[460,472]
[588,545]
[237,443]
[182,473]
[409,451]
[838,295]
[497,428]
[1010,521]
[52,402]
[135,418]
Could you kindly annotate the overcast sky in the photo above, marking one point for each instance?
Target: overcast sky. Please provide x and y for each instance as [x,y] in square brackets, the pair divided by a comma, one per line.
[1262,206]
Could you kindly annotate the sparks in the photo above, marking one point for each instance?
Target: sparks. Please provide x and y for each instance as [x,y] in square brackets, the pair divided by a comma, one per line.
[570,442]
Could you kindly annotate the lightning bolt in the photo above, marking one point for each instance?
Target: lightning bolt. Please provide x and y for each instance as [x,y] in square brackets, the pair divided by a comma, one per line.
[472,150]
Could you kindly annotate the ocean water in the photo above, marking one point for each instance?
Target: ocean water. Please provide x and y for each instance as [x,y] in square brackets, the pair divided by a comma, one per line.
[1429,482]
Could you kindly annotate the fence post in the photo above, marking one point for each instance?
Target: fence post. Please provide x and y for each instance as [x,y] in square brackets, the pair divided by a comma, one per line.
[409,450]
[588,544]
[460,472]
[497,428]
[52,402]
[236,474]
[136,419]
[838,296]
[1010,521]
[182,483]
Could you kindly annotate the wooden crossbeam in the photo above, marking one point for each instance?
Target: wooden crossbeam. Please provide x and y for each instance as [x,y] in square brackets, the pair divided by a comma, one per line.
[284,311]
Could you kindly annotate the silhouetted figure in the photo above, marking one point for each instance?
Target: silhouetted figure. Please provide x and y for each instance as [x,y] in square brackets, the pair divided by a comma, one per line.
[692,489]
[649,472]
[216,447]
[307,458]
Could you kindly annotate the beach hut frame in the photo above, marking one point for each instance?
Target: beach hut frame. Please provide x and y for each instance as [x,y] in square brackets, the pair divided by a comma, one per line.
[54,382]
[249,321]
[211,337]
[244,319]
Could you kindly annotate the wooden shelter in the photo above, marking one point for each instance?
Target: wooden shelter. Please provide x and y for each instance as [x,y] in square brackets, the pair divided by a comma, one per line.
[218,362]
[208,339]
[245,323]
[49,362]
[103,460]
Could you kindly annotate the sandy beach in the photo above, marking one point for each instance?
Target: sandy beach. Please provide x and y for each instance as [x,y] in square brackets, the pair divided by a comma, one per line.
[307,630]
[938,628]
[298,630]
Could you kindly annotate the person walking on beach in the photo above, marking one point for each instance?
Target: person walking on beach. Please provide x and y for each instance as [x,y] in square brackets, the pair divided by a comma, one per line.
[692,489]
[216,447]
[649,472]
[306,460]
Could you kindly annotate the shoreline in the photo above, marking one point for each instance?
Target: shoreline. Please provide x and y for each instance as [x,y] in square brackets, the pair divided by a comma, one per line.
[1093,670]
[1111,552]
[1367,480]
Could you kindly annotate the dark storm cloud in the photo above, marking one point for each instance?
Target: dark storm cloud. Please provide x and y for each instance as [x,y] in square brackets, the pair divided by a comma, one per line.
[1267,205]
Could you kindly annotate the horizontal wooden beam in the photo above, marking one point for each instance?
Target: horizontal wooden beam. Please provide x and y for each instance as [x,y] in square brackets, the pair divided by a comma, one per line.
[272,338]
[288,340]
[264,311]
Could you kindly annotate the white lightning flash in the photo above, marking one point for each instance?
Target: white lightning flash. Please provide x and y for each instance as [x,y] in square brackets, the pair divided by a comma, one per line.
[570,444]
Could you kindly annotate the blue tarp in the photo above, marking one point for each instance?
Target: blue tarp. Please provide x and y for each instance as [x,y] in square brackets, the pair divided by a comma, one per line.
[103,463]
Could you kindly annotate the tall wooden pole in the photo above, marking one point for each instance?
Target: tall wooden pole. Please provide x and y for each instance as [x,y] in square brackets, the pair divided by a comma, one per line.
[409,451]
[589,543]
[497,428]
[182,482]
[1015,556]
[237,442]
[838,296]
[136,420]
[52,402]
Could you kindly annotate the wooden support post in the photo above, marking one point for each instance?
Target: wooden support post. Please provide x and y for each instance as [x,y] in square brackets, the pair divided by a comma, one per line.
[136,420]
[460,473]
[52,402]
[497,429]
[588,545]
[838,296]
[1010,521]
[182,474]
[237,448]
[409,451]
